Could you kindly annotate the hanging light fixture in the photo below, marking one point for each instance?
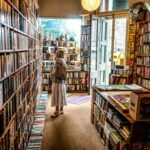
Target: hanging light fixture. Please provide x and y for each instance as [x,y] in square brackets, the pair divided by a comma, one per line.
[90,5]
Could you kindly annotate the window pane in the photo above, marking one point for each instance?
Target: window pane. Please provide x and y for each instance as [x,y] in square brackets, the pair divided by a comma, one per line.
[120,41]
[57,27]
[110,5]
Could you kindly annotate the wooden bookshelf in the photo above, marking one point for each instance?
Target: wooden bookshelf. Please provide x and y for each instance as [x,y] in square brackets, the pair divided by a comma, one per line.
[116,128]
[85,48]
[76,80]
[142,65]
[20,55]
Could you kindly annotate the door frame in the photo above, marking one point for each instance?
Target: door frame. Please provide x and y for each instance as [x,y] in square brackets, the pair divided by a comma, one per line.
[114,15]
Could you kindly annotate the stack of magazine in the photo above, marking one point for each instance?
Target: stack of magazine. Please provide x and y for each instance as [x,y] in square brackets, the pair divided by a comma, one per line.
[35,139]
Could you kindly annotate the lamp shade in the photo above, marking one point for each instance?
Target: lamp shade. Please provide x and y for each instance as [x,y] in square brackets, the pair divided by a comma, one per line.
[90,5]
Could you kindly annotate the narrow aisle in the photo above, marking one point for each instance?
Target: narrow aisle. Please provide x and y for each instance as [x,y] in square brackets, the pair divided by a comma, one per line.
[71,131]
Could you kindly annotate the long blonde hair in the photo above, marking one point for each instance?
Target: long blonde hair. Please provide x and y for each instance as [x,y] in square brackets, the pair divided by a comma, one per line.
[60,54]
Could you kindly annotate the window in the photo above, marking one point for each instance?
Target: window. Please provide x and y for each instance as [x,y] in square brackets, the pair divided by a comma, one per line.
[56,27]
[110,5]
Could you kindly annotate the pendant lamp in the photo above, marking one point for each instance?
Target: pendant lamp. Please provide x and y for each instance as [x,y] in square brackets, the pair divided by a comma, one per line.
[90,5]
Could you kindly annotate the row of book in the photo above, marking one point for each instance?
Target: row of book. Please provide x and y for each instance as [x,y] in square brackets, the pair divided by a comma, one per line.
[10,141]
[140,40]
[143,82]
[76,74]
[118,79]
[76,81]
[85,37]
[72,57]
[35,139]
[146,37]
[6,64]
[73,88]
[100,116]
[10,16]
[84,67]
[103,114]
[49,49]
[47,65]
[143,50]
[122,72]
[6,38]
[32,54]
[17,104]
[147,27]
[85,45]
[86,29]
[18,44]
[143,61]
[21,6]
[21,59]
[119,122]
[58,43]
[144,71]
[110,136]
[32,31]
[101,102]
[11,40]
[11,84]
[46,56]
[33,43]
[13,61]
[85,53]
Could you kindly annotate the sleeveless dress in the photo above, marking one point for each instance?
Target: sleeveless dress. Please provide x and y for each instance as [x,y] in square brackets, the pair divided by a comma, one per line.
[58,86]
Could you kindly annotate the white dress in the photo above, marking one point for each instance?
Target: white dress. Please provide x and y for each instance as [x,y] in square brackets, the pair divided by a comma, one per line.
[58,93]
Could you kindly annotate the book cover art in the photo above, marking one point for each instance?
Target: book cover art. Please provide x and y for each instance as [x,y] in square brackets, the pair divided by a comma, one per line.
[121,99]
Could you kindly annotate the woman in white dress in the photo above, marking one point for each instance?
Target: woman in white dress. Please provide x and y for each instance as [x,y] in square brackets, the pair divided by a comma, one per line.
[59,84]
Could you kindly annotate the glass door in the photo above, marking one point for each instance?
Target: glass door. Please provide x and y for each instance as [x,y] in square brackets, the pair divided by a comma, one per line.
[111,45]
[104,50]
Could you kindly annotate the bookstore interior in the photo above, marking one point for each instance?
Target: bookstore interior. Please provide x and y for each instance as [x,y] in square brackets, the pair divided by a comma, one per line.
[107,52]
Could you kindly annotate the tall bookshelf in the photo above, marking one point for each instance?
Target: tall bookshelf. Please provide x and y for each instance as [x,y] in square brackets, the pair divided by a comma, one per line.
[142,65]
[89,47]
[85,52]
[19,71]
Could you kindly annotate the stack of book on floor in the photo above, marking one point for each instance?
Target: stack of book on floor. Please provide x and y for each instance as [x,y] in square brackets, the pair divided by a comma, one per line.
[35,139]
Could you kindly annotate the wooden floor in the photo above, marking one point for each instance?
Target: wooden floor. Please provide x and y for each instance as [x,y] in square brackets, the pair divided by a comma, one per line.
[71,131]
